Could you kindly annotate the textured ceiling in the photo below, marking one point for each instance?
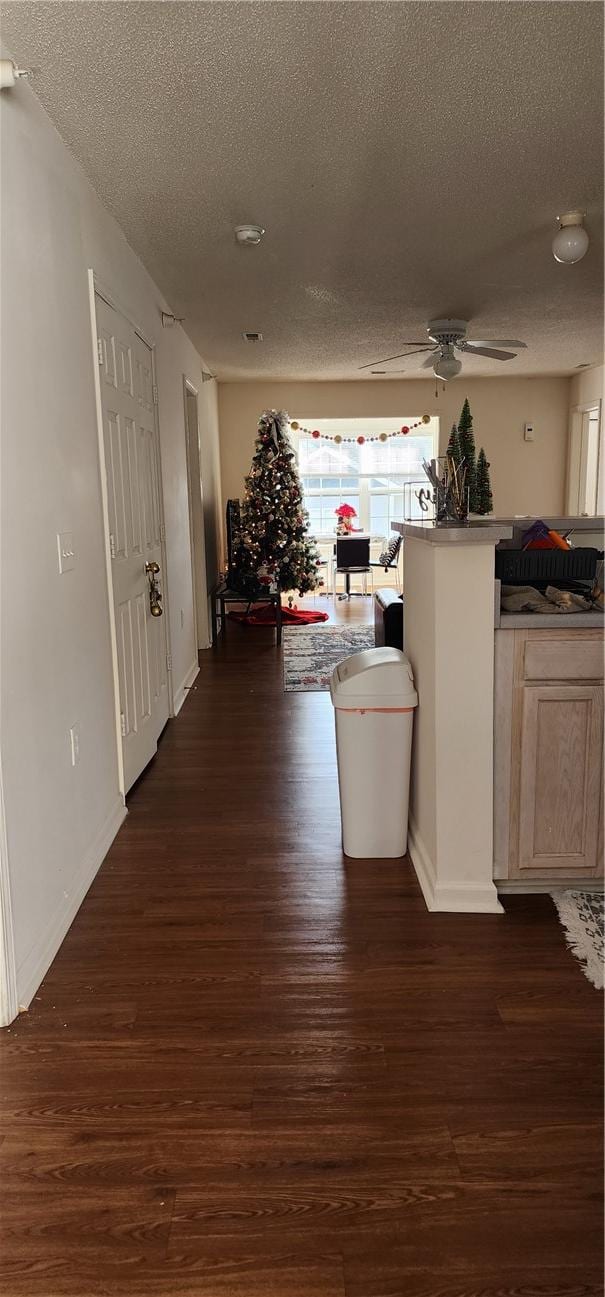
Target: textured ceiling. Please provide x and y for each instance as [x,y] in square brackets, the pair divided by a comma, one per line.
[407,159]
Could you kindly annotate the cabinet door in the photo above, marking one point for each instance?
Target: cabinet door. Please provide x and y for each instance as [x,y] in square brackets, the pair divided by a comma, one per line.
[560,780]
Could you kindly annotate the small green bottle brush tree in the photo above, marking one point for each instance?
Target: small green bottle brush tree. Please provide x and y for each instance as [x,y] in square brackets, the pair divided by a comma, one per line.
[461,449]
[484,489]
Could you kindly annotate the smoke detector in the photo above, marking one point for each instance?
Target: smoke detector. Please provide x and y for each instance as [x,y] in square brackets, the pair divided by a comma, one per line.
[249,235]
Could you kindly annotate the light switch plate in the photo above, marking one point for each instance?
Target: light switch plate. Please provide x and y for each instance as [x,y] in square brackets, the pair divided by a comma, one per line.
[67,553]
[529,432]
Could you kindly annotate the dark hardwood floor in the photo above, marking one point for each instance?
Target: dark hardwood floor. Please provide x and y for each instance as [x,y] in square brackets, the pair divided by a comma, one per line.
[258,1069]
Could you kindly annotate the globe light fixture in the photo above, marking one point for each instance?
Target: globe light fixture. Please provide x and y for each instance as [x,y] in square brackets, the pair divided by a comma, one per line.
[571,241]
[447,367]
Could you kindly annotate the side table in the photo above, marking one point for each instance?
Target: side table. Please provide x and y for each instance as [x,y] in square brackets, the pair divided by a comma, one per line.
[221,595]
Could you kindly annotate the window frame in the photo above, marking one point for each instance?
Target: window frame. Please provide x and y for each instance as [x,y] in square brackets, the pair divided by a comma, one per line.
[365,493]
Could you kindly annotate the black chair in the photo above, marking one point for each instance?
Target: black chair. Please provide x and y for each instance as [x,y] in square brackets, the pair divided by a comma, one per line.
[389,559]
[352,556]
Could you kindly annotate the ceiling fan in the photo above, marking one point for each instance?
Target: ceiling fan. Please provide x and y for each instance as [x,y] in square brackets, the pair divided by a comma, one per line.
[446,337]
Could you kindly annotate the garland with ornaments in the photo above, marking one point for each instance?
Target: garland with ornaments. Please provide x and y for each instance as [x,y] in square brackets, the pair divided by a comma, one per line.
[380,436]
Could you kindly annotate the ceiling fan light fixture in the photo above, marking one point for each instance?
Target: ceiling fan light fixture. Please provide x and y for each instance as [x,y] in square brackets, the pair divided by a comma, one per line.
[447,367]
[571,241]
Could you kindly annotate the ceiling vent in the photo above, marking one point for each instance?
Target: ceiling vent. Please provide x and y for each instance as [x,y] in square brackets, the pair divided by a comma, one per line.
[252,337]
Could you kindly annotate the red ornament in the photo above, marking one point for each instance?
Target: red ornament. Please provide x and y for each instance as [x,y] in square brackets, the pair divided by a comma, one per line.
[360,441]
[315,434]
[405,430]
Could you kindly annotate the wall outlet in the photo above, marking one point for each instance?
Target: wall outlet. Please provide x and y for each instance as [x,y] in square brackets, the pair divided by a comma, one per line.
[67,553]
[529,432]
[74,740]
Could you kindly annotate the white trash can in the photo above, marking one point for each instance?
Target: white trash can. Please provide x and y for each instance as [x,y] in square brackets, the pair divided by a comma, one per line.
[374,699]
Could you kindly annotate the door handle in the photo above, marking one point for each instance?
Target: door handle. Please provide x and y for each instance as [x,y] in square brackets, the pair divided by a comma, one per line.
[155,594]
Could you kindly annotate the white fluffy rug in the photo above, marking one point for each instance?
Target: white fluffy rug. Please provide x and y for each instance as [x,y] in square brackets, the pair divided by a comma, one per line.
[582,916]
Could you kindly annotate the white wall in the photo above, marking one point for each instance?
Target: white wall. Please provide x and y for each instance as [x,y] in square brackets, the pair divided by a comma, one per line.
[449,640]
[56,661]
[527,477]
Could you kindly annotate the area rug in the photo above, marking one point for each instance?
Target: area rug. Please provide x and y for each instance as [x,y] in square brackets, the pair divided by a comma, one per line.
[583,917]
[312,652]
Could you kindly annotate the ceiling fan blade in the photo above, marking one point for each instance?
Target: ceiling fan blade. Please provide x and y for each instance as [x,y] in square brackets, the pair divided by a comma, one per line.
[470,350]
[399,356]
[430,360]
[496,342]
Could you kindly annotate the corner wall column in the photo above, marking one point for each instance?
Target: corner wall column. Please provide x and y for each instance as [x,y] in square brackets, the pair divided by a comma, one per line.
[449,640]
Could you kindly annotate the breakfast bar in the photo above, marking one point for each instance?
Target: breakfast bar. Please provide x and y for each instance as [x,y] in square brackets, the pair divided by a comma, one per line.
[506,789]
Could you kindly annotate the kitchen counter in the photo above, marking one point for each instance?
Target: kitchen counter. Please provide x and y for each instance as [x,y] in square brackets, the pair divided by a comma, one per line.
[487,532]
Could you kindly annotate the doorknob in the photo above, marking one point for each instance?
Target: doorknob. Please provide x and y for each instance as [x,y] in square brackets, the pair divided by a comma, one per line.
[155,594]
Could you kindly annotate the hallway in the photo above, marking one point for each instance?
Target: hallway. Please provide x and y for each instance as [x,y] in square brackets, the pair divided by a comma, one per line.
[258,1069]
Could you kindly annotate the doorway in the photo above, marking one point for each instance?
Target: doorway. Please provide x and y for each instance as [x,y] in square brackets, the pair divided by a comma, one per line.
[133,514]
[586,466]
[197,522]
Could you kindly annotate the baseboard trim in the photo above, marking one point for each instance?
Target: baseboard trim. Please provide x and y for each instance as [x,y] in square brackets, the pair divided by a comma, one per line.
[422,863]
[180,694]
[461,898]
[37,963]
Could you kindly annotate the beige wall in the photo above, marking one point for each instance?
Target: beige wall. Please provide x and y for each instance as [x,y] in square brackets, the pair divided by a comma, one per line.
[587,386]
[527,477]
[56,651]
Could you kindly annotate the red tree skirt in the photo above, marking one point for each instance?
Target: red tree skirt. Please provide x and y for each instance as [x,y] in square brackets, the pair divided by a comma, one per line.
[290,616]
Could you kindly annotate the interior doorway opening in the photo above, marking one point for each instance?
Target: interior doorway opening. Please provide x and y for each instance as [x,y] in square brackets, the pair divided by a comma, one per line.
[197,522]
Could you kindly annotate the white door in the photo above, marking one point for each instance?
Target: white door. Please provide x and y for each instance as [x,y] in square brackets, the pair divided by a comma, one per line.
[132,467]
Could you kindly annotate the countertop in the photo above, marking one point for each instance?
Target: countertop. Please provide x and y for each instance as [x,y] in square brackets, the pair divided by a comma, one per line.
[468,533]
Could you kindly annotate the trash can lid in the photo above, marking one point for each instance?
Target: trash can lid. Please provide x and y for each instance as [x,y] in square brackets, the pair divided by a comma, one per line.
[374,679]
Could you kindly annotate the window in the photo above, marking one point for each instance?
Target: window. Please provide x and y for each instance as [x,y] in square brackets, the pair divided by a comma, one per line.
[375,478]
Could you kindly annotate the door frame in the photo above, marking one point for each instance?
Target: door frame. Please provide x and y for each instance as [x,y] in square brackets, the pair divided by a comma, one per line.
[9,1002]
[575,450]
[196,558]
[96,288]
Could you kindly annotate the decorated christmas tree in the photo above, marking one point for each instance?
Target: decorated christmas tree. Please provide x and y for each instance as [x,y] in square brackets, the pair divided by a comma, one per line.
[467,447]
[484,488]
[274,548]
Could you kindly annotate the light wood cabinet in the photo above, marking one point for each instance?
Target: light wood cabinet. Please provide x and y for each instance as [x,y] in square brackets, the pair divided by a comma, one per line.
[548,776]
